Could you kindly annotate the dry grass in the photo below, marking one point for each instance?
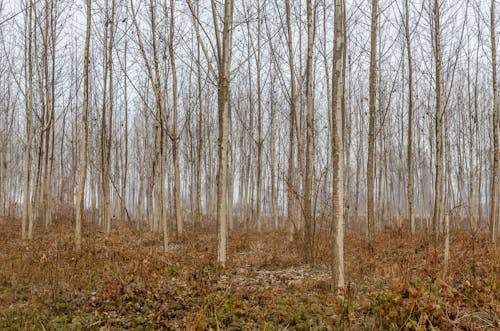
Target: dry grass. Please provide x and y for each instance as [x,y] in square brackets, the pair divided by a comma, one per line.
[124,281]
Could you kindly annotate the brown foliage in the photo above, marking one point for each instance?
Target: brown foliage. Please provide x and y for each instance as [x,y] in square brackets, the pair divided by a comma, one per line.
[125,281]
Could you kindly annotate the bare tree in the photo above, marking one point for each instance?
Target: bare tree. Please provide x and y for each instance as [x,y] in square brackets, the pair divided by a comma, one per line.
[338,145]
[29,130]
[223,84]
[272,129]
[153,73]
[409,153]
[291,141]
[125,153]
[107,115]
[260,142]
[83,162]
[175,135]
[308,207]
[438,191]
[370,168]
[199,130]
[496,152]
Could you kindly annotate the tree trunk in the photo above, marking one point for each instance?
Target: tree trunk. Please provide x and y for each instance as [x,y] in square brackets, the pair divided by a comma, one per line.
[370,171]
[107,120]
[409,154]
[338,146]
[199,146]
[230,173]
[123,194]
[29,129]
[308,210]
[291,141]
[83,153]
[272,140]
[223,83]
[259,121]
[175,138]
[438,191]
[496,152]
[446,243]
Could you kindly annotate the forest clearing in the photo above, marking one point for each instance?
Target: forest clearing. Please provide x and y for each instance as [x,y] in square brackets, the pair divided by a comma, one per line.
[125,281]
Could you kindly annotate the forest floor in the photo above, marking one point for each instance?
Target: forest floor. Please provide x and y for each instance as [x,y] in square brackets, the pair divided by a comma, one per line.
[124,281]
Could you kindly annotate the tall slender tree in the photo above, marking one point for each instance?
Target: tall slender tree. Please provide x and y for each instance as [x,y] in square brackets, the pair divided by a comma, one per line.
[496,115]
[370,167]
[338,145]
[291,132]
[309,169]
[29,124]
[258,62]
[199,130]
[107,116]
[409,153]
[125,152]
[174,133]
[83,162]
[223,96]
[438,182]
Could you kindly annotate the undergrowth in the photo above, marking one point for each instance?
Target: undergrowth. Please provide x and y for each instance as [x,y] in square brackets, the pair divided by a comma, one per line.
[125,281]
